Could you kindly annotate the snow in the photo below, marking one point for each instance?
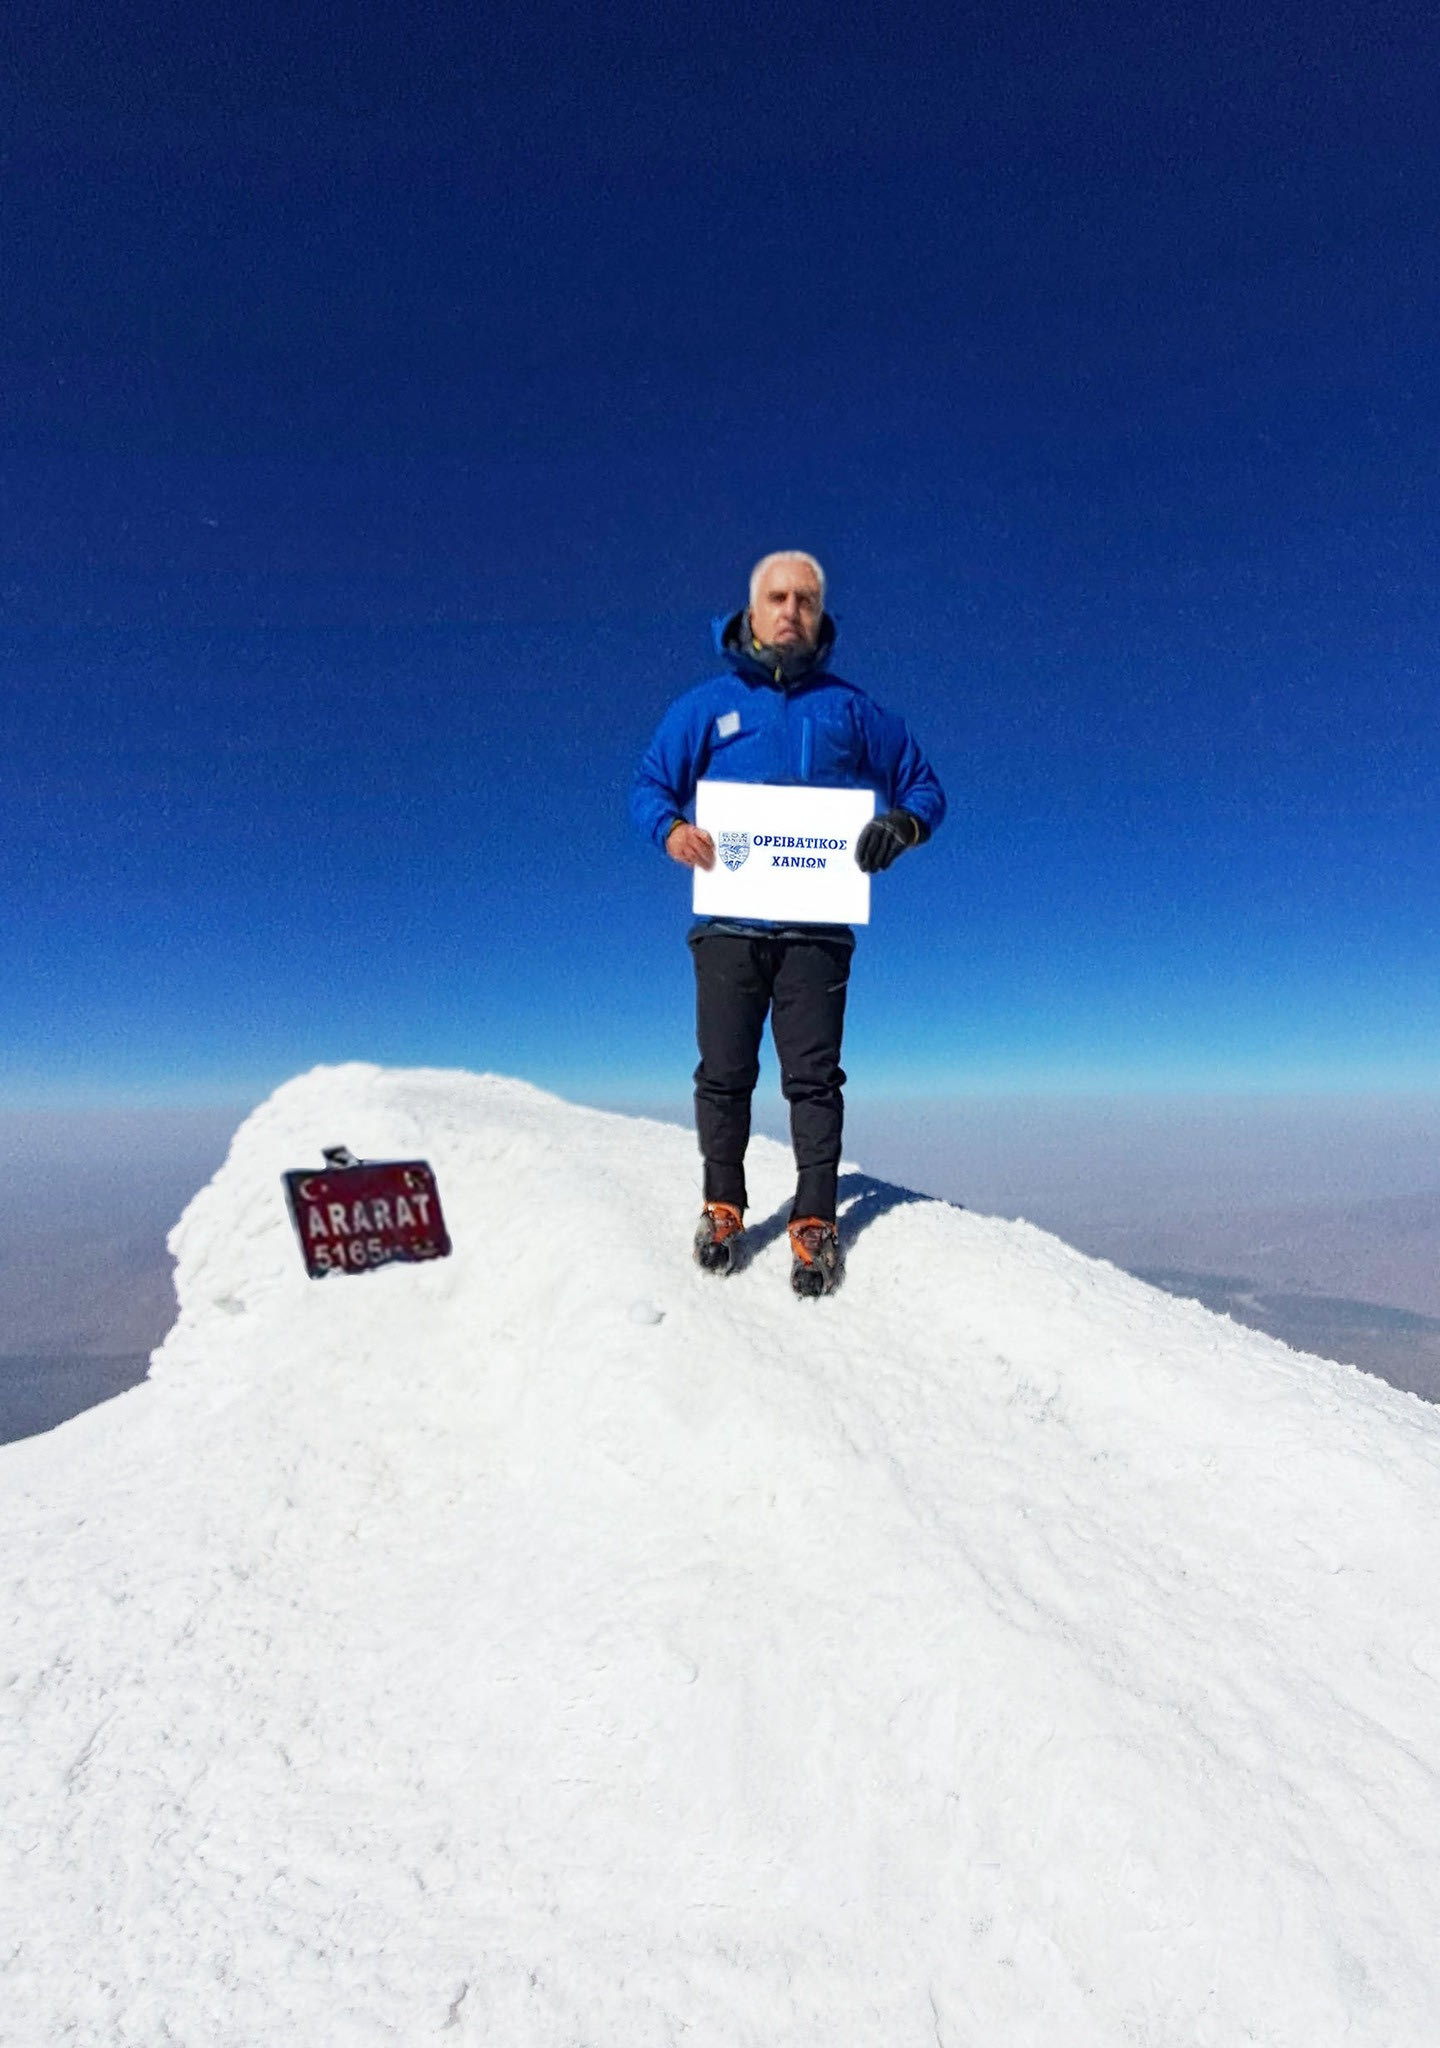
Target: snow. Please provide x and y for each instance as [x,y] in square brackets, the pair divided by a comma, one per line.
[558,1646]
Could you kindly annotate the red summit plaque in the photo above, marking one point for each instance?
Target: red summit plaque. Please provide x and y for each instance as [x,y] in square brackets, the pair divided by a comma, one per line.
[357,1214]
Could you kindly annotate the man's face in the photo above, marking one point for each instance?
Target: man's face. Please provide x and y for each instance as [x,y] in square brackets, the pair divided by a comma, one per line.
[786,612]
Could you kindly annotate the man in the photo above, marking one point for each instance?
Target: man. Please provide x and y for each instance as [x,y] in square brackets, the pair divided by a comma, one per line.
[780,715]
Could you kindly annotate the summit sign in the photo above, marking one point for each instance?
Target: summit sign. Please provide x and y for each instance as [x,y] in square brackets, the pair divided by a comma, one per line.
[354,1215]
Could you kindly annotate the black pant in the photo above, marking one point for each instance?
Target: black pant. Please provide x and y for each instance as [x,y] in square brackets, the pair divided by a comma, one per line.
[801,983]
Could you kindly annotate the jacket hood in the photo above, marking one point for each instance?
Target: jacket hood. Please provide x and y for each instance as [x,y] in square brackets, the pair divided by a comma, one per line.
[734,643]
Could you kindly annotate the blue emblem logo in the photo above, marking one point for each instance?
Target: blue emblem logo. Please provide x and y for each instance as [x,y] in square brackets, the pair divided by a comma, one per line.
[734,849]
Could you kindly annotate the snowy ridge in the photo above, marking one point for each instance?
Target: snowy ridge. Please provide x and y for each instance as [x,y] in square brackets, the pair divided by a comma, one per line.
[557,1646]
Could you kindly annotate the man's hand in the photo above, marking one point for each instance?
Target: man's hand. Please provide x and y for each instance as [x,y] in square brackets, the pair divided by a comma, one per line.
[690,846]
[883,840]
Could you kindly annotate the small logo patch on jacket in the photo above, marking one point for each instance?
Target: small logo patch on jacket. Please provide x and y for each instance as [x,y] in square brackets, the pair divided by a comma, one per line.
[727,724]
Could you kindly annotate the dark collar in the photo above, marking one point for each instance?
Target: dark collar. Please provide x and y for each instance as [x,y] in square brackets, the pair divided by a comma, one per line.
[768,665]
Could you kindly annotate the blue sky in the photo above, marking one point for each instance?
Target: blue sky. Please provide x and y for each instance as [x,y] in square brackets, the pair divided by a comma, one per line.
[390,405]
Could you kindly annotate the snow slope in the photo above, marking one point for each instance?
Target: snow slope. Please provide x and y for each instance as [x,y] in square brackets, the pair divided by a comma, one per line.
[556,1646]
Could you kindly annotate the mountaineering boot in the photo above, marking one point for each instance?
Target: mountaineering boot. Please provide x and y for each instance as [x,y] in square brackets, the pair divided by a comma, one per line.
[814,1256]
[717,1237]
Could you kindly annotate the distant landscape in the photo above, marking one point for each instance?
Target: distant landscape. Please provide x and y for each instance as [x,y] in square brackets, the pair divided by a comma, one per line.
[1389,1342]
[85,1288]
[40,1392]
[1317,1223]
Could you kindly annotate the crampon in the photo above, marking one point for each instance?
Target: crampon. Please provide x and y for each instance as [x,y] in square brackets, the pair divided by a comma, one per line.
[814,1256]
[717,1237]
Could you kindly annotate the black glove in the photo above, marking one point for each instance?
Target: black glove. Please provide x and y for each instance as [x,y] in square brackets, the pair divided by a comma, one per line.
[883,840]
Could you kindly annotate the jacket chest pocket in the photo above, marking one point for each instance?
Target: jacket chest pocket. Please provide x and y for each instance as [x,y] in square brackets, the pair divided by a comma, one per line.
[827,748]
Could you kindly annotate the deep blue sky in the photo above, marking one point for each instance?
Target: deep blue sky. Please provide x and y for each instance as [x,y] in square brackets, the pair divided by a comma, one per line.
[389,401]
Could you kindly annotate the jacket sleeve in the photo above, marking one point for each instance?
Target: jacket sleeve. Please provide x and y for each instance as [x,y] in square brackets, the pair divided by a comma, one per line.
[900,769]
[664,785]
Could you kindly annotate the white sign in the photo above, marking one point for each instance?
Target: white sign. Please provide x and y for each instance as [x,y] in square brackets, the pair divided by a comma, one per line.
[783,852]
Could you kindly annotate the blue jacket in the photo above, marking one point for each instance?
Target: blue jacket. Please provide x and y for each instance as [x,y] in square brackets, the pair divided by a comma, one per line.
[752,725]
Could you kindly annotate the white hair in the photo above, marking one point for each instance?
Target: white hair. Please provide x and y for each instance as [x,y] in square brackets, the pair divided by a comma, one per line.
[786,555]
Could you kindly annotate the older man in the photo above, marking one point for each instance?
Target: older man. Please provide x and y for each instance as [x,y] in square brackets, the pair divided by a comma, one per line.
[778,714]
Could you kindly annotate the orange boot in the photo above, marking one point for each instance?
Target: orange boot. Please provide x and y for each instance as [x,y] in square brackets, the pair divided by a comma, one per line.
[815,1256]
[717,1237]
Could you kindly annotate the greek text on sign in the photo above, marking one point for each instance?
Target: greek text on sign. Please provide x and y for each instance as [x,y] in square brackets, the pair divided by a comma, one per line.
[785,852]
[351,1219]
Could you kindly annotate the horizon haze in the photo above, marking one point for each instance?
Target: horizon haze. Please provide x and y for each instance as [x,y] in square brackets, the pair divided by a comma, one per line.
[1316,1221]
